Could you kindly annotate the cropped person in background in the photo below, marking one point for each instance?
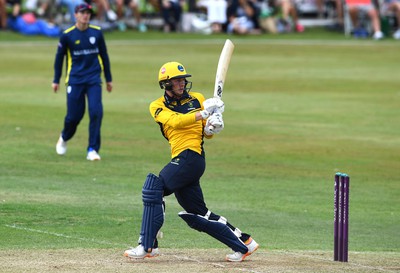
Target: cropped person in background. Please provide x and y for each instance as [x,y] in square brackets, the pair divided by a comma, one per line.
[15,11]
[104,10]
[393,6]
[133,5]
[373,15]
[185,119]
[171,12]
[3,14]
[243,17]
[289,15]
[87,56]
[70,5]
[216,13]
[338,24]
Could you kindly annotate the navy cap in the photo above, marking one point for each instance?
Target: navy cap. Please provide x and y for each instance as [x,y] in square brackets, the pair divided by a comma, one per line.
[83,7]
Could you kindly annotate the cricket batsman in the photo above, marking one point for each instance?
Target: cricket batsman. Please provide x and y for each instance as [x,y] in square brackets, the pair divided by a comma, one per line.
[185,119]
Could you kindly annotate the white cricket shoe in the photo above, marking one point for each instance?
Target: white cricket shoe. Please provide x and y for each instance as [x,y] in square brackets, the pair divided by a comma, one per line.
[139,253]
[61,146]
[111,15]
[252,246]
[92,155]
[396,35]
[378,35]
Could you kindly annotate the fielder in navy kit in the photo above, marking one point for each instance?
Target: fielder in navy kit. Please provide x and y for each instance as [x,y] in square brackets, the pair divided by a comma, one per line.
[185,119]
[85,50]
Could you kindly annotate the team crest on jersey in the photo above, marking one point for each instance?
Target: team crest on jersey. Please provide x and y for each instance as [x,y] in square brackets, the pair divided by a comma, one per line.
[191,106]
[92,40]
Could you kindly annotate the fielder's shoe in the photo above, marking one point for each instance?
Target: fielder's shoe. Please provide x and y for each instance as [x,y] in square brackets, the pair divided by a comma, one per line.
[238,256]
[61,147]
[139,253]
[92,155]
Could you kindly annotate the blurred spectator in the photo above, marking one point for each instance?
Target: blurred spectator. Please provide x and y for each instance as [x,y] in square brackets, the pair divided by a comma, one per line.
[3,14]
[15,7]
[338,25]
[133,5]
[16,10]
[320,8]
[171,12]
[216,13]
[45,9]
[289,16]
[372,12]
[70,5]
[243,17]
[267,17]
[394,7]
[104,11]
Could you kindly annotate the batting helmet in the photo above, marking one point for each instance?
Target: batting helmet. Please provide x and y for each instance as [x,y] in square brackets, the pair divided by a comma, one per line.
[169,71]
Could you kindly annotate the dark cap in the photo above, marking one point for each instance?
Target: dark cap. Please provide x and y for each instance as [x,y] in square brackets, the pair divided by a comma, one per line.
[83,7]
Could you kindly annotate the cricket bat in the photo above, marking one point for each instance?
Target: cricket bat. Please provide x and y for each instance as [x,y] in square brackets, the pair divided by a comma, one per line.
[222,69]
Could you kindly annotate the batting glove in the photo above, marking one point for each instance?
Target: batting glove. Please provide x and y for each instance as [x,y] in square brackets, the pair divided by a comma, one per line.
[205,114]
[214,124]
[214,105]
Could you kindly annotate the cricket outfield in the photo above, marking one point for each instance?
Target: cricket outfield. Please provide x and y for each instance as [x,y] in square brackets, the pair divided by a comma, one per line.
[298,109]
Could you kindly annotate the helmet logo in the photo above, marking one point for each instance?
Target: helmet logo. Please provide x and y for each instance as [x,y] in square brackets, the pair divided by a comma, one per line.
[180,68]
[163,70]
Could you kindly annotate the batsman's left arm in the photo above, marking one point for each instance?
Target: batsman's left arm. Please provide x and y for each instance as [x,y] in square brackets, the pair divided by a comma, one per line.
[164,115]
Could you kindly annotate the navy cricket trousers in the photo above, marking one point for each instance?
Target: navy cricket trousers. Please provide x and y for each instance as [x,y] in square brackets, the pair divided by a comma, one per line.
[76,105]
[181,176]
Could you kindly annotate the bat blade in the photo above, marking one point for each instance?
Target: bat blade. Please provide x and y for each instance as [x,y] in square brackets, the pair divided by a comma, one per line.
[222,69]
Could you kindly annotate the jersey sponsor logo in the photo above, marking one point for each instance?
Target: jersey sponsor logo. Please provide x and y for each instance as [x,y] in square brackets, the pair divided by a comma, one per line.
[191,104]
[85,51]
[77,42]
[92,40]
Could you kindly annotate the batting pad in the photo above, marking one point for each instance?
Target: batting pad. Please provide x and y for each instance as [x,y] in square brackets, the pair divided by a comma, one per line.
[215,229]
[153,213]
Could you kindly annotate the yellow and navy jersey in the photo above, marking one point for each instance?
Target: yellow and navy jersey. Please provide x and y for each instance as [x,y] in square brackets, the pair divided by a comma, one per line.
[86,56]
[178,122]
